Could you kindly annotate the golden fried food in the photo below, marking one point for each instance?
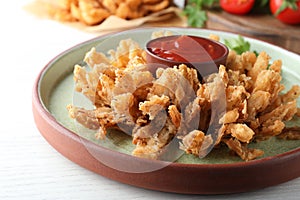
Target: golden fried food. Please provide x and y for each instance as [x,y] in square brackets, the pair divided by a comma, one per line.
[173,104]
[93,12]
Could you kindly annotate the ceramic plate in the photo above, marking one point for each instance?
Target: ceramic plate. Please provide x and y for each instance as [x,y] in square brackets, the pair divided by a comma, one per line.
[217,173]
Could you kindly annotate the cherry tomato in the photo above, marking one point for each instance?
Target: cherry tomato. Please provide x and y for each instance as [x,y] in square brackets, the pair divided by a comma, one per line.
[239,7]
[288,15]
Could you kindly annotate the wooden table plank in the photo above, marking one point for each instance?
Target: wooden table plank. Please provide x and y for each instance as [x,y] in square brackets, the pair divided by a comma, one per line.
[261,26]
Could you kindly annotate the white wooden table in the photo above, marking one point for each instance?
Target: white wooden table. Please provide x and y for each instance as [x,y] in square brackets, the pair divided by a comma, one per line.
[29,167]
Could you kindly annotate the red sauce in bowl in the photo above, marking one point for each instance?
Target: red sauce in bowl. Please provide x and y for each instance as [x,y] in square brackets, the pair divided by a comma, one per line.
[201,53]
[191,49]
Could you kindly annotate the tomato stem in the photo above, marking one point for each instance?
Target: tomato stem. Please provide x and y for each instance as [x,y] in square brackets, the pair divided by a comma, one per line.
[292,4]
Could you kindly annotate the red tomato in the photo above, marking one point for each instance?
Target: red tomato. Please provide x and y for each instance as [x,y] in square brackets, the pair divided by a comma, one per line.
[288,15]
[239,7]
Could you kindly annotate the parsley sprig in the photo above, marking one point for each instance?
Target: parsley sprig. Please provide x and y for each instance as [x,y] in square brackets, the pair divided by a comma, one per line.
[195,12]
[239,44]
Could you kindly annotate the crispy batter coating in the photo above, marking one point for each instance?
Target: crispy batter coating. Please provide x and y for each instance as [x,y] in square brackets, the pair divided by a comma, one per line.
[257,102]
[260,64]
[241,63]
[150,140]
[230,116]
[291,133]
[157,6]
[126,12]
[154,105]
[244,102]
[175,115]
[268,81]
[242,150]
[93,12]
[241,132]
[99,119]
[192,142]
[214,37]
[158,34]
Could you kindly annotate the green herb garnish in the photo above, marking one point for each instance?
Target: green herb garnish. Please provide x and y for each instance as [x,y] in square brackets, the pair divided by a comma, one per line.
[239,45]
[195,13]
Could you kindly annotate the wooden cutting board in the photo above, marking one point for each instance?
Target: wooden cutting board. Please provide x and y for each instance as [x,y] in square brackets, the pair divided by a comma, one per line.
[261,26]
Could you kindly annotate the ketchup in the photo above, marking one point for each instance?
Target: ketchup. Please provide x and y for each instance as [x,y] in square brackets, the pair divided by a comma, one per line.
[186,49]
